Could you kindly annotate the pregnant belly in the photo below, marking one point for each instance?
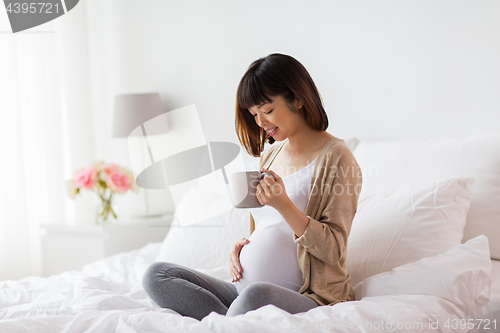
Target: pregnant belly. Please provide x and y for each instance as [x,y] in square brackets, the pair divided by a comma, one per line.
[270,256]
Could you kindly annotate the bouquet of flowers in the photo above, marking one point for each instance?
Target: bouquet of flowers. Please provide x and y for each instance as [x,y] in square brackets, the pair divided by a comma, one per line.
[105,179]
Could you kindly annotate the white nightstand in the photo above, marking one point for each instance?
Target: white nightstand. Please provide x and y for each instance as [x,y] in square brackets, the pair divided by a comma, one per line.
[70,247]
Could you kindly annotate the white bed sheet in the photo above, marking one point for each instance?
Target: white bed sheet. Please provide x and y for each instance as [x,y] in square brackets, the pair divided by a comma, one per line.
[107,296]
[491,311]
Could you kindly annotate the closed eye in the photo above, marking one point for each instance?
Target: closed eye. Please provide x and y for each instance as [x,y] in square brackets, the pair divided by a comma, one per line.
[264,113]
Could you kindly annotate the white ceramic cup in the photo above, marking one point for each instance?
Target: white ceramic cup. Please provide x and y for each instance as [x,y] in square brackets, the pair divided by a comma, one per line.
[244,188]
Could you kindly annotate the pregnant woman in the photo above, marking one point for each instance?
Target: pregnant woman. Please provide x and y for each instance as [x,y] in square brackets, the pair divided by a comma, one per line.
[295,255]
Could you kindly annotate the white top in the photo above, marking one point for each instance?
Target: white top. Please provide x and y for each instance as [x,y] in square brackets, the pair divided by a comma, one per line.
[271,254]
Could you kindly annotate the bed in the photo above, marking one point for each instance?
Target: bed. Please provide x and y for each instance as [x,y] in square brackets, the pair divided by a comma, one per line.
[420,255]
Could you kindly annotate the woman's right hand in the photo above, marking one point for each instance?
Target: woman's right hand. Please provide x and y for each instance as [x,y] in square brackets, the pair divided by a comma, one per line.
[234,259]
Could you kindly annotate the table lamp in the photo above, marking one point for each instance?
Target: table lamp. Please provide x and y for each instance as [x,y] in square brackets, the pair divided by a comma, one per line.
[132,111]
[182,160]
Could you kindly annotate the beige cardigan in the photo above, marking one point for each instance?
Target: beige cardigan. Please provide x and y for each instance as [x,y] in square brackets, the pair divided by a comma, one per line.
[321,250]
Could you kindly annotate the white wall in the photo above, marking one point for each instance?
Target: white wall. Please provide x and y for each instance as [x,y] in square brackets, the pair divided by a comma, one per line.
[392,69]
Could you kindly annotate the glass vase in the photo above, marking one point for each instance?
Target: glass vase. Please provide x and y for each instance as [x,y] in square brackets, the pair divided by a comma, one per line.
[105,213]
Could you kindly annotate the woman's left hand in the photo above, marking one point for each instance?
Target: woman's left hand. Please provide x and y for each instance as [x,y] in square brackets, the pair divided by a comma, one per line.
[272,192]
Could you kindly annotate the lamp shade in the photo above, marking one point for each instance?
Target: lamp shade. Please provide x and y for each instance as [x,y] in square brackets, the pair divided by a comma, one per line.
[133,110]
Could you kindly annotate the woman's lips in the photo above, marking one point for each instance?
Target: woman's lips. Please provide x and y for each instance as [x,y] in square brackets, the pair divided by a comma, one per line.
[273,132]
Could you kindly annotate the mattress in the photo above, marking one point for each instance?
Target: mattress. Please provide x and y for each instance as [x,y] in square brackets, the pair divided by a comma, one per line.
[107,296]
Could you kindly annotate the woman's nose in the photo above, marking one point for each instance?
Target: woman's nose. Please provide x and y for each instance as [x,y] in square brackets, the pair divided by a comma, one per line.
[261,121]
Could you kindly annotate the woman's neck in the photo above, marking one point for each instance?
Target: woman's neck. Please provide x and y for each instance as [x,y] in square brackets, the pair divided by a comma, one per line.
[302,144]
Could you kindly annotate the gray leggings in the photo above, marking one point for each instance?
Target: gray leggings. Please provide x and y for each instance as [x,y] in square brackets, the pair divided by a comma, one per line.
[195,294]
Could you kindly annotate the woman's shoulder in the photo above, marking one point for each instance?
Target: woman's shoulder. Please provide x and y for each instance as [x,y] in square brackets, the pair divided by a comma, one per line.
[337,162]
[335,147]
[336,156]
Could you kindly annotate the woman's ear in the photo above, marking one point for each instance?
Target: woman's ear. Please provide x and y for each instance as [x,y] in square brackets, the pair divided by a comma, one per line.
[298,104]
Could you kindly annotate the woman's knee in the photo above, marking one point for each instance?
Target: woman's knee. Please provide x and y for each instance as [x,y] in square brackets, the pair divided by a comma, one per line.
[154,272]
[258,290]
[254,296]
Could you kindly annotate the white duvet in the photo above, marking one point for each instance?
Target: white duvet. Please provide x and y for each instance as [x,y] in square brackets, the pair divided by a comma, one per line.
[107,296]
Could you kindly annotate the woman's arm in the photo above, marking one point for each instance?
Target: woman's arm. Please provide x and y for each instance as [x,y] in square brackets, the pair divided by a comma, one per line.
[325,237]
[294,217]
[264,156]
[252,224]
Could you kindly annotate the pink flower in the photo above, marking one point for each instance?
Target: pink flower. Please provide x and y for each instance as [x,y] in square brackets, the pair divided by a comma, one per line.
[106,170]
[130,176]
[85,178]
[118,182]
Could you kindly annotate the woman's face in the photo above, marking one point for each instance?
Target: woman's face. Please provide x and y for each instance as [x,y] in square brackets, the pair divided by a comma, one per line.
[277,118]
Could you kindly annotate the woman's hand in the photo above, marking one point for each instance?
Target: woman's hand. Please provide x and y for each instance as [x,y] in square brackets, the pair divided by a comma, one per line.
[234,259]
[272,192]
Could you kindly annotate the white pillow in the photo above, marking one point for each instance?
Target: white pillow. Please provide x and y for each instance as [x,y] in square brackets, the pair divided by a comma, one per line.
[461,275]
[204,245]
[403,226]
[389,165]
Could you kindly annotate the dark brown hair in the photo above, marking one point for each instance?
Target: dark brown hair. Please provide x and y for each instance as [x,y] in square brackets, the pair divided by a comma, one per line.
[275,75]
